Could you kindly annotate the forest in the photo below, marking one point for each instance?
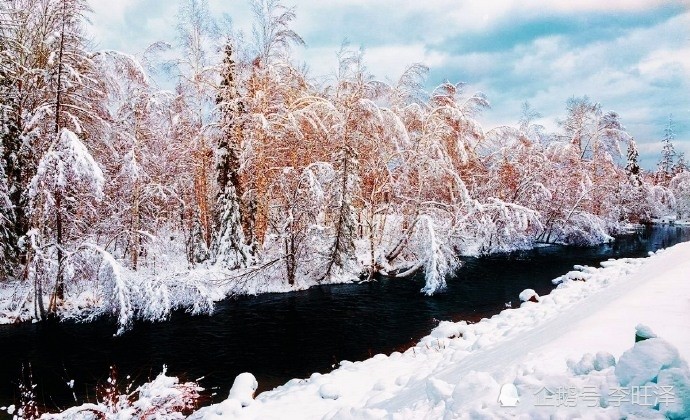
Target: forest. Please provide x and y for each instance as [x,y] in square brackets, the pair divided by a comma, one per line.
[121,198]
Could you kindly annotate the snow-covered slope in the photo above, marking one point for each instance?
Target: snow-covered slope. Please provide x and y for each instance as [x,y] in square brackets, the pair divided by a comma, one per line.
[571,353]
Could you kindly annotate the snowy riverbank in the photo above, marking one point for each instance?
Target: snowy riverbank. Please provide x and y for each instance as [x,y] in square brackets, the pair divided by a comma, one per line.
[150,293]
[577,342]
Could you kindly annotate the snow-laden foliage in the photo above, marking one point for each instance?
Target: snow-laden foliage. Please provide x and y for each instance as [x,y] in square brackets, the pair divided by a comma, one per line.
[165,397]
[249,176]
[497,226]
[7,235]
[437,258]
[680,186]
[128,295]
[66,164]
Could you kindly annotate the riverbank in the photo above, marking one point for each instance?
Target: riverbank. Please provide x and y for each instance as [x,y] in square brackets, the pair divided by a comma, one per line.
[154,291]
[150,293]
[577,342]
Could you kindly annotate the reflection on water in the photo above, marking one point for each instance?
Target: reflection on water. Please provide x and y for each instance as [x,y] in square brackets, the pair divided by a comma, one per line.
[281,336]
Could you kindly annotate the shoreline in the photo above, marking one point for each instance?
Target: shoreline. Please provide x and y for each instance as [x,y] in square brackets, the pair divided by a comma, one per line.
[86,306]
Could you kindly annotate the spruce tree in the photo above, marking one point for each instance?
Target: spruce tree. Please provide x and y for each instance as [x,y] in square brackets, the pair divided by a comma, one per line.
[668,153]
[229,248]
[681,165]
[10,171]
[632,168]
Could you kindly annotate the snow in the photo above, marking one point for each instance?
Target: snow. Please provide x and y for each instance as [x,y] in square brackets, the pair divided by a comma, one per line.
[329,392]
[643,363]
[243,389]
[642,331]
[570,355]
[162,398]
[528,294]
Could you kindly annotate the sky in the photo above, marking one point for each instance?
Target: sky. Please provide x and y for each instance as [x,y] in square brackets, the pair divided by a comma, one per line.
[631,56]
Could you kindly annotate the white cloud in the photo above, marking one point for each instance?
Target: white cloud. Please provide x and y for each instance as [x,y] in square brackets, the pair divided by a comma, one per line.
[570,6]
[642,72]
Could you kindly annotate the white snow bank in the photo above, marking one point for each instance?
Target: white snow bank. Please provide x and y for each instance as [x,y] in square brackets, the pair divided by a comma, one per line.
[559,354]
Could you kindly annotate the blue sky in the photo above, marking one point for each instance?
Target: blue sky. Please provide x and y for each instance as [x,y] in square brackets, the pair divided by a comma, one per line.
[632,56]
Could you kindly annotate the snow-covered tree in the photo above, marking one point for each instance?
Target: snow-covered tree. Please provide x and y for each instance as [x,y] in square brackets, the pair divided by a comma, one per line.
[526,123]
[681,165]
[198,38]
[272,35]
[435,256]
[61,195]
[632,167]
[229,245]
[8,195]
[593,132]
[8,239]
[680,186]
[668,154]
[340,254]
[51,84]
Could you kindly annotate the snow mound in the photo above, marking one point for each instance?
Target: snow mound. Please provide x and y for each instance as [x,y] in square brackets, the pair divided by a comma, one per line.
[243,389]
[438,390]
[528,295]
[589,363]
[644,362]
[329,392]
[644,332]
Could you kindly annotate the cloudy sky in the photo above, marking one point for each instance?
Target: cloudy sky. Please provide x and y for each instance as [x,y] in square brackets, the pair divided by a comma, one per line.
[632,56]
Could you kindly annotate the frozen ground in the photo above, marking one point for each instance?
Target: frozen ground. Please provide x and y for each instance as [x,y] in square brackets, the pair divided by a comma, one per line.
[571,354]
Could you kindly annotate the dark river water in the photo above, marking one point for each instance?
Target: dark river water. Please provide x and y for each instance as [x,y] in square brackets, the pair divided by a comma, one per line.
[282,336]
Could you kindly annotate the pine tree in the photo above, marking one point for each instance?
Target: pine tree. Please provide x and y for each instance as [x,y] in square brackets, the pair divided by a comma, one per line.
[229,247]
[8,235]
[632,167]
[681,165]
[12,220]
[8,239]
[668,153]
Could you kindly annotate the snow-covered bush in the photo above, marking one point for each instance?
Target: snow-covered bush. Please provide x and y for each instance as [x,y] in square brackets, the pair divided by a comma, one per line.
[163,398]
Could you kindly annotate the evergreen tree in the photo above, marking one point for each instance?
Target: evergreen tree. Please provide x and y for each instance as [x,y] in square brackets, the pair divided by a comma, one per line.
[681,165]
[10,168]
[229,247]
[668,153]
[8,135]
[632,167]
[8,239]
